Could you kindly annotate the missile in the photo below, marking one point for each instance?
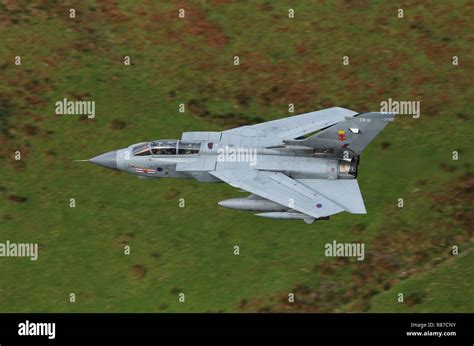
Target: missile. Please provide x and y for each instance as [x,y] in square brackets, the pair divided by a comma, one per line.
[291,216]
[252,204]
[288,216]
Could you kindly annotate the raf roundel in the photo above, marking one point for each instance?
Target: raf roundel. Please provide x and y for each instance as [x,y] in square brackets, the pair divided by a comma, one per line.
[319,205]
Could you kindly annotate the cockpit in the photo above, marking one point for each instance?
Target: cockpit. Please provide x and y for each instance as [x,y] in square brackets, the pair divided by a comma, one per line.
[167,147]
[163,147]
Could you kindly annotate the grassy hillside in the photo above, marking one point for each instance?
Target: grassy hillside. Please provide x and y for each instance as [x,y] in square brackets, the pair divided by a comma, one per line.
[441,289]
[190,61]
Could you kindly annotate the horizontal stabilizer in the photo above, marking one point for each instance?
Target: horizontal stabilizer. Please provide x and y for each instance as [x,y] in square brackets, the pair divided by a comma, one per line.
[343,192]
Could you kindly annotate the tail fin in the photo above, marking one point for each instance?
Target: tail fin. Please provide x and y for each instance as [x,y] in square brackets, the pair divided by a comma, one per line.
[353,134]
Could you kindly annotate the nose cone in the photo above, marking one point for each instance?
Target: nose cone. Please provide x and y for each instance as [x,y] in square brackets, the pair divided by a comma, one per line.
[107,160]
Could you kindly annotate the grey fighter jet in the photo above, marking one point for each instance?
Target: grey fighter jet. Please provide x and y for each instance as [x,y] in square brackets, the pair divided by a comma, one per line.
[300,167]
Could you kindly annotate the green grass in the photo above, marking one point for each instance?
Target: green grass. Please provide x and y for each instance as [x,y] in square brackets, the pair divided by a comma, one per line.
[446,288]
[176,61]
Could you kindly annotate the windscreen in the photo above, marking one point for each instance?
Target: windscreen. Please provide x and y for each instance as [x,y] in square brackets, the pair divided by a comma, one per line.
[141,150]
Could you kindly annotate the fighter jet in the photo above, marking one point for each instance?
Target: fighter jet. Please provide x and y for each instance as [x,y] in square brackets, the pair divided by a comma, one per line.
[301,167]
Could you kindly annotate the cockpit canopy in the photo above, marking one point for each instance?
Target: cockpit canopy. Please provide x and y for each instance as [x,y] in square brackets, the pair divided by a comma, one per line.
[163,147]
[167,147]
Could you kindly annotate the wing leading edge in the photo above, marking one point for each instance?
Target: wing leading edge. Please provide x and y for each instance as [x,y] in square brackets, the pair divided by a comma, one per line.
[295,126]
